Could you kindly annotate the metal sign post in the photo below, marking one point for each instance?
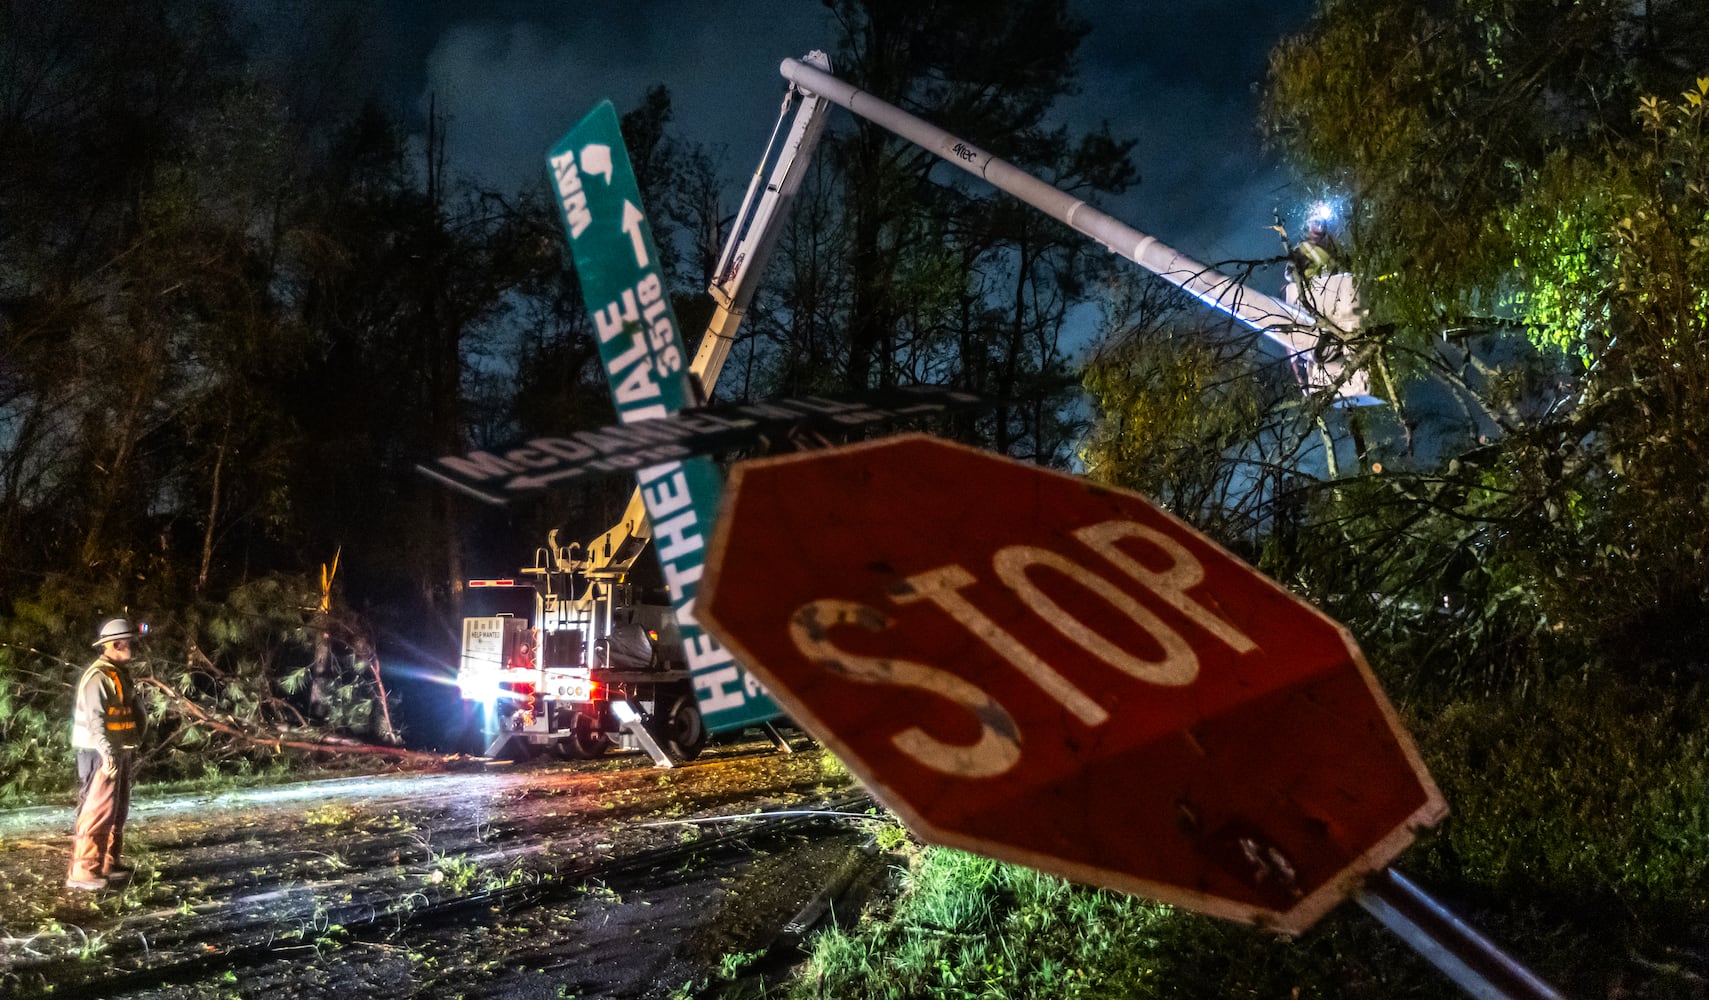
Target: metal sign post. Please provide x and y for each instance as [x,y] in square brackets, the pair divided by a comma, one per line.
[1475,963]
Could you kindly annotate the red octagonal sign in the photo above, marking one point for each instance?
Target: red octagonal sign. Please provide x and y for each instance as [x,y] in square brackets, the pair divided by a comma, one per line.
[1026,665]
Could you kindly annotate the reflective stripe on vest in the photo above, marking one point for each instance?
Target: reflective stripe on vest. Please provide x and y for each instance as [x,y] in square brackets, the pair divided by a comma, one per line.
[120,714]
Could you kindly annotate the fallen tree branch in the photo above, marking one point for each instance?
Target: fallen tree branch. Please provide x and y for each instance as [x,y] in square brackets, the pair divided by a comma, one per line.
[215,674]
[202,717]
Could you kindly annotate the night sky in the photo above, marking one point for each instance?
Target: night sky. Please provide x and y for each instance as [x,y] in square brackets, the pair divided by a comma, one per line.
[1182,77]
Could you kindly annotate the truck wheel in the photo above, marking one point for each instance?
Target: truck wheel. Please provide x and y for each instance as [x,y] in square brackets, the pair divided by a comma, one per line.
[681,726]
[585,741]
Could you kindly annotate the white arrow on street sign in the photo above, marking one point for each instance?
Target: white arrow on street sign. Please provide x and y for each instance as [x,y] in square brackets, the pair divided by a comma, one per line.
[633,220]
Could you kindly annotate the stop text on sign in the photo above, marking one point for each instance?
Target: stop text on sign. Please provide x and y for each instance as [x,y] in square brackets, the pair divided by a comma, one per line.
[998,748]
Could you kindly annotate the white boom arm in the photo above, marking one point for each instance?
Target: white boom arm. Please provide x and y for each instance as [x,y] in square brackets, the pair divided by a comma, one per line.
[1287,325]
[610,556]
[754,234]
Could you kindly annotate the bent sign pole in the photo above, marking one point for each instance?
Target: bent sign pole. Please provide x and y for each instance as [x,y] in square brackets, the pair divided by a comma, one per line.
[1471,960]
[639,343]
[1029,666]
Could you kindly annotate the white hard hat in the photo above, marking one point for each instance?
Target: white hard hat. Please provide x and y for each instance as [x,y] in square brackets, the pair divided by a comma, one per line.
[114,629]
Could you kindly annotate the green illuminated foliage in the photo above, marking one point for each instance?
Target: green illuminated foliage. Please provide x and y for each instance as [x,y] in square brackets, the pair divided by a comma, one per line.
[1519,165]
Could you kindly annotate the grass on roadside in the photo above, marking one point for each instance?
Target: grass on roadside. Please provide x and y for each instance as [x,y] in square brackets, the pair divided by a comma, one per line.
[966,926]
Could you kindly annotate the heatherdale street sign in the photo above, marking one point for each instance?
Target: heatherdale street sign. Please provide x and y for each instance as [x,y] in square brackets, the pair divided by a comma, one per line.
[642,350]
[660,439]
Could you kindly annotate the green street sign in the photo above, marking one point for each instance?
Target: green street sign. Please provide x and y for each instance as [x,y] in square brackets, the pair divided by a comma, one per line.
[647,365]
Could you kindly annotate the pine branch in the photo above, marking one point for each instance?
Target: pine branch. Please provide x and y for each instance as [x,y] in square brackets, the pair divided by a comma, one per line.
[189,709]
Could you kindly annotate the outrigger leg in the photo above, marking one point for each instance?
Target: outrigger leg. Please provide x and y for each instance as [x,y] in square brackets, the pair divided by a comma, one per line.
[630,720]
[777,739]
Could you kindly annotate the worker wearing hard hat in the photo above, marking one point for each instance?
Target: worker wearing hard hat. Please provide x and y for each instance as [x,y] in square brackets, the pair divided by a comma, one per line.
[106,729]
[1317,254]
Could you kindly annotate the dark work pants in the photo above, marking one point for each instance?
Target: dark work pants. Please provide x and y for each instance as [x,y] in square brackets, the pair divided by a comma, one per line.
[103,803]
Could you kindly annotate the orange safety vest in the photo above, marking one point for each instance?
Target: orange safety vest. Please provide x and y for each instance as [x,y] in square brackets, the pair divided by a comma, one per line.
[113,710]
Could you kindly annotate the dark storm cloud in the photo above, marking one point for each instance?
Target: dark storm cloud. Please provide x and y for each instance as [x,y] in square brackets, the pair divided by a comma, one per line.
[514,75]
[1184,79]
[514,85]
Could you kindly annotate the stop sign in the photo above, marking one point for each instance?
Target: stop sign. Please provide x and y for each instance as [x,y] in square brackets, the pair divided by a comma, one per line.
[1026,665]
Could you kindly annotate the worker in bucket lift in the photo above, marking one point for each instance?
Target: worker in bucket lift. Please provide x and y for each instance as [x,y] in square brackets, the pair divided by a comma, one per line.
[1317,254]
[106,729]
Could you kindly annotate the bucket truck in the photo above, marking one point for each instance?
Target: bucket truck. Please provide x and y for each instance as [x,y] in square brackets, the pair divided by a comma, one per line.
[598,662]
[604,664]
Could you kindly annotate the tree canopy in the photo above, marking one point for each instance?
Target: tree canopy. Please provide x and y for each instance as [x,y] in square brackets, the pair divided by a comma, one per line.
[239,302]
[1526,218]
[897,268]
